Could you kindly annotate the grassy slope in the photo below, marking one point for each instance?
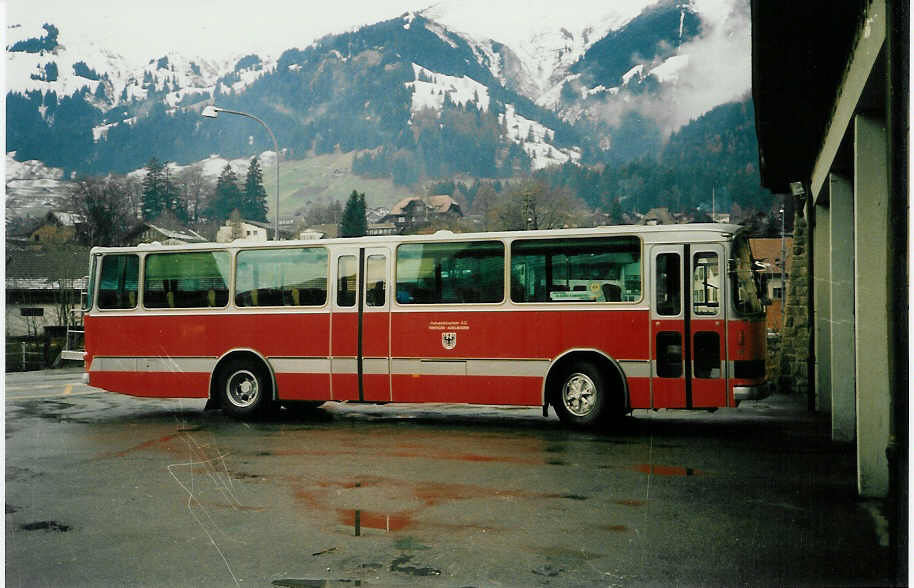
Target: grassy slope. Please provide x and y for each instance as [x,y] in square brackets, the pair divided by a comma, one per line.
[323,179]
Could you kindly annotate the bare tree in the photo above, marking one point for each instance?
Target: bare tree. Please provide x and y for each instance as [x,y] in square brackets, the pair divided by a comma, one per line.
[534,205]
[320,214]
[105,206]
[195,187]
[65,264]
[484,204]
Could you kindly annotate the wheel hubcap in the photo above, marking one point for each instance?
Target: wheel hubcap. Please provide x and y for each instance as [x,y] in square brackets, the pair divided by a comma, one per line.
[242,389]
[579,395]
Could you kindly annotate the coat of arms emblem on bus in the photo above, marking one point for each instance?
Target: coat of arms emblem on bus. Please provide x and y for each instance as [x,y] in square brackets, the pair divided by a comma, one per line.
[449,340]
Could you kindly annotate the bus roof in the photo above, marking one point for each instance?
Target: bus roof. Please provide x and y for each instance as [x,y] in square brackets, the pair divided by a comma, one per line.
[682,233]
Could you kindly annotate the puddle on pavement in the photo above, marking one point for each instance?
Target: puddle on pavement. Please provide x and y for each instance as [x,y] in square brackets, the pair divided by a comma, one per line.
[361,520]
[310,583]
[399,565]
[150,444]
[45,526]
[660,470]
[616,528]
[630,502]
[395,505]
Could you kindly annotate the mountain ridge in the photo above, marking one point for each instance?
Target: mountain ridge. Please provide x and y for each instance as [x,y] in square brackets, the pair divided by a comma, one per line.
[412,99]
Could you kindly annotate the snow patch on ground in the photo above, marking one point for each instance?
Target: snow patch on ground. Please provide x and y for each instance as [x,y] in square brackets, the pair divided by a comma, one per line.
[430,94]
[535,139]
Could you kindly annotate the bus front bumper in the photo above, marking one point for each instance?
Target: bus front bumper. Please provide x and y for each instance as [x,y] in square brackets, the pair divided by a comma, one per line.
[757,392]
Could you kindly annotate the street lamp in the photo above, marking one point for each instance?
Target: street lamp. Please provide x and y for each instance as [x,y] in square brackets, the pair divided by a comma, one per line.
[211,111]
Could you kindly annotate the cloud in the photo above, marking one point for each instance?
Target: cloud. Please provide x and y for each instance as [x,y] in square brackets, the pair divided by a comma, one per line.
[707,71]
[719,67]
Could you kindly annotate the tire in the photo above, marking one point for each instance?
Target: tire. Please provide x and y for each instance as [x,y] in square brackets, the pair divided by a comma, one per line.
[581,396]
[244,388]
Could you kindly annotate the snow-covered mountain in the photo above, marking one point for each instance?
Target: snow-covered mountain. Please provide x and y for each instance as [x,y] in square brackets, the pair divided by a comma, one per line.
[46,60]
[78,106]
[545,40]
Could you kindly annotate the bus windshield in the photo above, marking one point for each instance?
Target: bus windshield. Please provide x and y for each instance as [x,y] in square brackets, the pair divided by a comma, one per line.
[745,286]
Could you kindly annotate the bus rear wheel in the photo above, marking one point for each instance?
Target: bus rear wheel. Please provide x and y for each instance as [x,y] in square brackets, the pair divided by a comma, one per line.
[580,398]
[244,388]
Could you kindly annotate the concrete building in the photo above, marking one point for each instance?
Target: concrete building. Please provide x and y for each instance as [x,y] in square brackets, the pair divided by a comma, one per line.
[830,86]
[241,229]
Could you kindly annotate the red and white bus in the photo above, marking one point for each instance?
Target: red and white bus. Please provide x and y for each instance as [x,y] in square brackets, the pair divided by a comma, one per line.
[593,322]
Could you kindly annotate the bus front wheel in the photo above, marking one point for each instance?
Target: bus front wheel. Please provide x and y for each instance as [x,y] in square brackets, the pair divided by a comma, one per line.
[244,387]
[580,399]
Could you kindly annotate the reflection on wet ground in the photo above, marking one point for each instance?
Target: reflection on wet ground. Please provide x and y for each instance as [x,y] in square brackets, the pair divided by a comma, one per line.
[386,496]
[665,470]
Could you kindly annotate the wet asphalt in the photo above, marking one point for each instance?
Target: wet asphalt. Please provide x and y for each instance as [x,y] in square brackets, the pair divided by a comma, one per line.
[109,490]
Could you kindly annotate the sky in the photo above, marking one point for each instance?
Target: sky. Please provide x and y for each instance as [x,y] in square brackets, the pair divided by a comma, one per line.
[140,31]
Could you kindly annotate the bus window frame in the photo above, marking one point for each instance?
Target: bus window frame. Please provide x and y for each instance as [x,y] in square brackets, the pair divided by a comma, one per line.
[233,289]
[589,303]
[141,303]
[395,277]
[138,307]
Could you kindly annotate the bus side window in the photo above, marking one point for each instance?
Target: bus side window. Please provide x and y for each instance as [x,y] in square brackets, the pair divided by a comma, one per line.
[669,354]
[705,284]
[119,281]
[375,280]
[450,273]
[669,292]
[193,279]
[707,354]
[579,270]
[346,280]
[281,277]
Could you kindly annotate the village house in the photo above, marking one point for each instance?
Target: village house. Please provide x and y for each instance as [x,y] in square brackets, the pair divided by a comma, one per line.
[420,210]
[774,256]
[56,227]
[242,229]
[42,286]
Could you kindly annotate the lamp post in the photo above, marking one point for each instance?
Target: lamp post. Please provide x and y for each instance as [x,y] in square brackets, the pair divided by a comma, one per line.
[213,112]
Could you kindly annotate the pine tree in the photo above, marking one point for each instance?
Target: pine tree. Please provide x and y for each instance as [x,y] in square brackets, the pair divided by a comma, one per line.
[154,189]
[254,198]
[173,199]
[354,223]
[160,193]
[227,197]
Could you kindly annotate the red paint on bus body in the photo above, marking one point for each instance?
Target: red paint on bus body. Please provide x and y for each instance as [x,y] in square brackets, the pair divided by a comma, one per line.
[520,334]
[154,384]
[623,335]
[208,335]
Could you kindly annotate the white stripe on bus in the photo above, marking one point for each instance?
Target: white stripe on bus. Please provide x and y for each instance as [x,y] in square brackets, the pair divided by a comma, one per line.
[527,368]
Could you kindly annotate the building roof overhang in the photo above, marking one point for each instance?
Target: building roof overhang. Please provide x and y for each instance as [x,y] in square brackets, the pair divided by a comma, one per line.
[800,57]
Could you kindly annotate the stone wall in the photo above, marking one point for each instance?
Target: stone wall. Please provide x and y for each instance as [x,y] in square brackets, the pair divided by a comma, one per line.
[793,353]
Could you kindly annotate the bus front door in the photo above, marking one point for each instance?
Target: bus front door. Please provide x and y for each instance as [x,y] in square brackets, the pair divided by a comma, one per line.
[360,325]
[687,327]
